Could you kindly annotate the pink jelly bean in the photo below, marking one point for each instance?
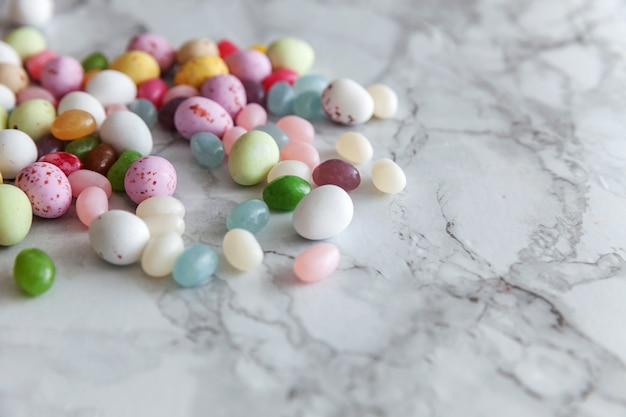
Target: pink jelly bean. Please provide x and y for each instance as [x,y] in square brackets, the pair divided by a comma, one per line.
[181,90]
[251,116]
[317,262]
[112,108]
[36,63]
[159,47]
[83,178]
[230,136]
[297,128]
[62,75]
[152,90]
[34,91]
[300,151]
[91,203]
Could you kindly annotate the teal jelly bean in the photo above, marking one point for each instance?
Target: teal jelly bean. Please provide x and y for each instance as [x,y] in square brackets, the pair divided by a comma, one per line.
[308,105]
[33,271]
[251,215]
[280,99]
[117,172]
[284,193]
[195,266]
[96,60]
[144,109]
[207,149]
[310,82]
[276,132]
[81,147]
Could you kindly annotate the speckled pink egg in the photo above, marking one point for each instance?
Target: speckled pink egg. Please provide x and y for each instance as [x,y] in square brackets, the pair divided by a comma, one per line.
[249,64]
[201,114]
[62,75]
[160,48]
[47,188]
[150,176]
[226,90]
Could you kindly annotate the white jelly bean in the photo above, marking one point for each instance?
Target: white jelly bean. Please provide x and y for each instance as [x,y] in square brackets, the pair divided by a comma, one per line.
[290,167]
[164,223]
[354,147]
[125,130]
[112,87]
[119,237]
[242,250]
[323,213]
[387,176]
[17,151]
[385,100]
[160,254]
[82,101]
[160,204]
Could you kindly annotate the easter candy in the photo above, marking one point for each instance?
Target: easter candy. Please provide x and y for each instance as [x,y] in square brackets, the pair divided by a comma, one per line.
[255,92]
[280,99]
[111,87]
[33,271]
[167,113]
[35,92]
[112,108]
[251,157]
[387,176]
[17,150]
[251,116]
[119,237]
[157,46]
[181,90]
[140,66]
[301,151]
[81,147]
[101,158]
[226,47]
[277,133]
[117,171]
[345,101]
[323,213]
[354,147]
[165,223]
[194,48]
[200,114]
[207,149]
[297,128]
[73,124]
[226,90]
[4,118]
[7,98]
[30,12]
[310,83]
[48,144]
[160,204]
[337,172]
[230,137]
[195,266]
[95,60]
[125,130]
[9,55]
[153,90]
[196,70]
[285,192]
[308,105]
[37,62]
[16,215]
[66,161]
[385,100]
[160,254]
[317,262]
[13,76]
[251,215]
[144,109]
[83,178]
[62,75]
[249,64]
[47,188]
[26,40]
[81,100]
[281,74]
[242,250]
[91,203]
[293,53]
[34,117]
[150,176]
[290,167]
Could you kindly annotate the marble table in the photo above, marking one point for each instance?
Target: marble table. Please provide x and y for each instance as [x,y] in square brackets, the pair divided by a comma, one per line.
[493,285]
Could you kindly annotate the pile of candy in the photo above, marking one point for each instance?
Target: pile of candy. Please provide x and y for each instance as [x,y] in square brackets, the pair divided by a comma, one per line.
[82,130]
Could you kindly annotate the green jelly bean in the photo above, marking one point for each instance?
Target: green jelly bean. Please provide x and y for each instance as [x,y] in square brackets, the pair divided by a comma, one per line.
[96,60]
[81,147]
[117,172]
[33,271]
[284,193]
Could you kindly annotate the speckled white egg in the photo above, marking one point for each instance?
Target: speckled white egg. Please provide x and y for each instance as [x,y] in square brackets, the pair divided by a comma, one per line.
[323,213]
[30,12]
[125,130]
[119,237]
[345,101]
[112,87]
[17,150]
[47,188]
[82,101]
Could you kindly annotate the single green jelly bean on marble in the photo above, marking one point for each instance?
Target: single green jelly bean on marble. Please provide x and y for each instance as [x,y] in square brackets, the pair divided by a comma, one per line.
[117,172]
[81,147]
[284,193]
[33,271]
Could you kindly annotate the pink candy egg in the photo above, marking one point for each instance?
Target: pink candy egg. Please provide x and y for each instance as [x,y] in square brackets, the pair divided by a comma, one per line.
[201,114]
[90,203]
[297,128]
[150,176]
[251,116]
[181,90]
[35,63]
[160,48]
[62,75]
[317,262]
[227,90]
[47,188]
[230,136]
[153,90]
[83,178]
[249,64]
[300,151]
[33,91]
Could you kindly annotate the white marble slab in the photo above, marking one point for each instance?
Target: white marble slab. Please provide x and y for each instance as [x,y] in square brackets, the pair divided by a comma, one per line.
[494,285]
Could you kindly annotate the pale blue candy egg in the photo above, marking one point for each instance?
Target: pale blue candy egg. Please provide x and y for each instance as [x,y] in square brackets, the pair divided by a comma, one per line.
[308,105]
[251,215]
[144,109]
[207,149]
[276,132]
[280,99]
[310,82]
[195,265]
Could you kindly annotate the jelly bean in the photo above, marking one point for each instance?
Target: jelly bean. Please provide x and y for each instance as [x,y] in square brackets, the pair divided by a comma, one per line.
[345,101]
[354,147]
[255,93]
[88,76]
[242,250]
[317,262]
[195,266]
[125,130]
[32,92]
[282,74]
[73,124]
[159,255]
[110,87]
[310,83]
[231,136]
[150,176]
[117,171]
[153,90]
[251,157]
[119,237]
[81,147]
[17,150]
[81,100]
[144,109]
[36,63]
[249,64]
[226,47]
[62,75]
[387,176]
[95,60]
[91,203]
[101,158]
[226,90]
[251,116]
[48,144]
[33,271]
[83,178]
[9,55]
[290,167]
[181,90]
[280,99]
[168,111]
[34,117]
[165,223]
[251,215]
[194,48]
[285,192]
[66,161]
[277,133]
[337,172]
[16,215]
[27,41]
[157,46]
[297,128]
[13,76]
[196,70]
[160,204]
[30,12]
[301,151]
[200,114]
[140,66]
[292,53]
[385,100]
[207,149]
[323,213]
[308,105]
[7,98]
[113,108]
[47,188]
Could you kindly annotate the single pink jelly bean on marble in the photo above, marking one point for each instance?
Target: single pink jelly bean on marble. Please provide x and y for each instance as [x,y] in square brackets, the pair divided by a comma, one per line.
[297,128]
[83,178]
[317,262]
[181,90]
[91,203]
[300,151]
[230,136]
[251,116]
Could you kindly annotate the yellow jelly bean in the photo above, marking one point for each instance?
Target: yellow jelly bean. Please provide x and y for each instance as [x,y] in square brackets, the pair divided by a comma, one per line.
[196,70]
[16,215]
[140,66]
[73,124]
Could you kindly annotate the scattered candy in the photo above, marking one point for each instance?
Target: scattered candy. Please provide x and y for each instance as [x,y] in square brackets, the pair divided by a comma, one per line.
[226,90]
[47,188]
[195,266]
[345,101]
[90,203]
[196,70]
[207,149]
[95,61]
[157,46]
[285,192]
[125,130]
[317,262]
[26,40]
[165,223]
[251,116]
[16,215]
[337,172]
[62,75]
[150,176]
[17,150]
[119,237]
[33,271]
[160,253]
[13,76]
[280,99]
[387,176]
[140,66]
[30,12]
[66,161]
[297,128]
[290,167]
[385,100]
[101,158]
[251,215]
[33,117]
[160,204]
[292,53]
[80,147]
[73,124]
[201,114]
[81,100]
[194,48]
[323,213]
[301,151]
[249,65]
[83,178]
[354,147]
[111,87]
[242,250]
[251,157]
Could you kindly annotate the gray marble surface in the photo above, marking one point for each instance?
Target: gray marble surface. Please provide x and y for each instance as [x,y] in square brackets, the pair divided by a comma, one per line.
[494,285]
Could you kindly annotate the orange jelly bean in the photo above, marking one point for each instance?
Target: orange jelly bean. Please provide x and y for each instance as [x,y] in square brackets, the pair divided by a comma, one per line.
[73,124]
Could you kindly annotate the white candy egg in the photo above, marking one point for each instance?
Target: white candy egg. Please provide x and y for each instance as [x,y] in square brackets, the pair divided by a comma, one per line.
[9,55]
[387,176]
[345,101]
[160,204]
[82,101]
[119,237]
[7,98]
[30,12]
[164,223]
[112,87]
[323,213]
[17,151]
[125,130]
[160,254]
[354,147]
[290,167]
[242,250]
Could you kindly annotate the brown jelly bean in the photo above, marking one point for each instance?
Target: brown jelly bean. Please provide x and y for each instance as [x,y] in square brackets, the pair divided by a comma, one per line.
[166,113]
[101,158]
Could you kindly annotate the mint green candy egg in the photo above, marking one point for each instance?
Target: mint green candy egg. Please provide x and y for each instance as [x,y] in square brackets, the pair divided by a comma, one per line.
[26,40]
[251,157]
[4,118]
[16,215]
[292,53]
[33,117]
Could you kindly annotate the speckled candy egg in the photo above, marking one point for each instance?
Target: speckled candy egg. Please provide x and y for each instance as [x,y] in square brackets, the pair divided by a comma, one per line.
[345,101]
[160,48]
[47,188]
[227,91]
[196,70]
[150,176]
[62,75]
[119,237]
[249,64]
[201,114]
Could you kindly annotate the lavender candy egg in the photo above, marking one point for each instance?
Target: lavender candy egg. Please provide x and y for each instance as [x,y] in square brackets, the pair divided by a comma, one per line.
[249,64]
[47,188]
[160,48]
[201,114]
[347,102]
[227,91]
[62,75]
[150,176]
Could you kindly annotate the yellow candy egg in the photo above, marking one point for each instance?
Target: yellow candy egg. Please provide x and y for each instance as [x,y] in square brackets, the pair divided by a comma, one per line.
[196,70]
[140,66]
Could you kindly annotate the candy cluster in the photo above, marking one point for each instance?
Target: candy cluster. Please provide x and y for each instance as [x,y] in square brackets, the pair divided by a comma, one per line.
[83,129]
